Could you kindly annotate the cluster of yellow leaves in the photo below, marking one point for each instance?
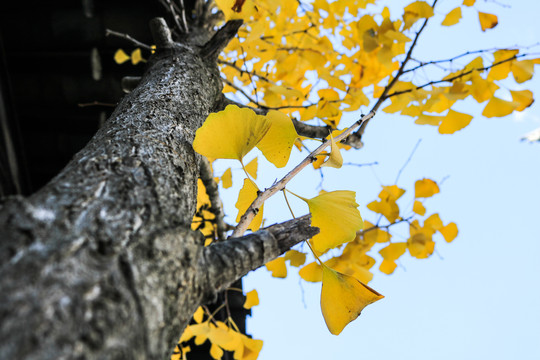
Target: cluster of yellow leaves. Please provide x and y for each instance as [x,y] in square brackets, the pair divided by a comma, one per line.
[221,336]
[321,64]
[354,259]
[121,57]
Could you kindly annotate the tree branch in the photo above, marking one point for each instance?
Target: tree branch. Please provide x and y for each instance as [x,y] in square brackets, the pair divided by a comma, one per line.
[128,38]
[253,209]
[221,38]
[229,260]
[161,33]
[400,72]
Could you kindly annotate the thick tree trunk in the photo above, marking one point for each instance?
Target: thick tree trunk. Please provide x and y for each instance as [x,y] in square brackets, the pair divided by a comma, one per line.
[101,263]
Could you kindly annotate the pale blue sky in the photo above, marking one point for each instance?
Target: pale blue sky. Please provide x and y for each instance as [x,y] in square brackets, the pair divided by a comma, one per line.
[476,298]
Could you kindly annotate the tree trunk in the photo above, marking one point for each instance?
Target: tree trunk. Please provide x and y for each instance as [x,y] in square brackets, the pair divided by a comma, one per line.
[101,263]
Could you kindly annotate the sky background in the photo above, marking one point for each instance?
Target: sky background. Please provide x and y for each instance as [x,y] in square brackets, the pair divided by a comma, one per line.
[475,298]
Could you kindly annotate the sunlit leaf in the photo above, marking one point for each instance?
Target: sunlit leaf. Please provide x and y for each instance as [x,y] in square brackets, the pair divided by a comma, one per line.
[393,251]
[251,168]
[198,315]
[487,21]
[335,159]
[452,17]
[498,108]
[216,352]
[136,57]
[252,299]
[502,64]
[120,56]
[449,232]
[336,214]
[524,98]
[247,195]
[277,144]
[419,208]
[312,272]
[226,178]
[522,70]
[454,121]
[387,267]
[296,258]
[277,267]
[244,130]
[433,222]
[343,298]
[425,188]
[415,11]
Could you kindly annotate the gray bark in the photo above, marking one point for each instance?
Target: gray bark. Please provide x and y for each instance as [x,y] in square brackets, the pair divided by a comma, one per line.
[101,263]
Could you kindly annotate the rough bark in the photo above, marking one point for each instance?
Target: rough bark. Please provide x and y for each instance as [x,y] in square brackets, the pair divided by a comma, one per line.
[101,263]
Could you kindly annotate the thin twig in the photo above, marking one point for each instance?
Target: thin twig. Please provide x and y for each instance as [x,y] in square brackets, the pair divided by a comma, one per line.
[109,32]
[408,160]
[458,76]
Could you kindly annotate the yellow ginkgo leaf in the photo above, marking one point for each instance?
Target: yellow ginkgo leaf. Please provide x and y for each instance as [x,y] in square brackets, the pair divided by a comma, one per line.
[251,348]
[343,298]
[312,272]
[415,11]
[454,121]
[252,299]
[498,107]
[452,17]
[393,251]
[277,144]
[296,258]
[522,70]
[449,232]
[247,195]
[226,178]
[277,267]
[419,208]
[198,315]
[136,57]
[216,352]
[336,214]
[387,266]
[244,130]
[120,56]
[503,65]
[425,188]
[335,159]
[487,21]
[251,168]
[523,97]
[468,2]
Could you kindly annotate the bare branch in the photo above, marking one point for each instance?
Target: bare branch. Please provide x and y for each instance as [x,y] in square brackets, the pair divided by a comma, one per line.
[221,38]
[135,42]
[229,260]
[161,33]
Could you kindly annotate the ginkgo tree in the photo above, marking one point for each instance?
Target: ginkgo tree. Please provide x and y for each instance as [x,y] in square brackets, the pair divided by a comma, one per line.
[131,239]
